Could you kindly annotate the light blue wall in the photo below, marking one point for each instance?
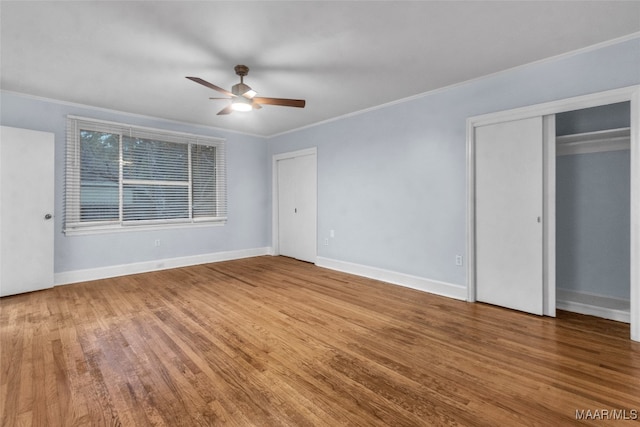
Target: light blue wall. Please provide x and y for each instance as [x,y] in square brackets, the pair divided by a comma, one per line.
[392,182]
[247,187]
[593,223]
[612,116]
[592,208]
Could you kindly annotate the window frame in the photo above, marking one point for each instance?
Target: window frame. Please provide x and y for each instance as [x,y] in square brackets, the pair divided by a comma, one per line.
[73,223]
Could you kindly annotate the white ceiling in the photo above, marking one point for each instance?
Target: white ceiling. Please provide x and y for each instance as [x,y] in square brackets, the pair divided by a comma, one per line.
[341,56]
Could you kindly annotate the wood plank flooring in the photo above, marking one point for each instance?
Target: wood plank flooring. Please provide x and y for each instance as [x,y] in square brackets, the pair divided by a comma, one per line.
[271,341]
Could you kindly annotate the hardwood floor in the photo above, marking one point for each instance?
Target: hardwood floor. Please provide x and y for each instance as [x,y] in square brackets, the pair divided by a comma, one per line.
[271,341]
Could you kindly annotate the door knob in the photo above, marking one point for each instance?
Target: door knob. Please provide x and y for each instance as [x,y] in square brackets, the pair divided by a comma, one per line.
[47,216]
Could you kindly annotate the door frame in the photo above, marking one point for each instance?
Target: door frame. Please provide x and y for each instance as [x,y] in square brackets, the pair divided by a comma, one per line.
[275,227]
[629,94]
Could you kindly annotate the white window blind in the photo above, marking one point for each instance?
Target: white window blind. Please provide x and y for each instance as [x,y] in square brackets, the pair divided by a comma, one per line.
[119,176]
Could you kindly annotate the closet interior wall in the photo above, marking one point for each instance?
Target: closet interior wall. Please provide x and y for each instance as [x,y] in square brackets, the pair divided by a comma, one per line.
[593,211]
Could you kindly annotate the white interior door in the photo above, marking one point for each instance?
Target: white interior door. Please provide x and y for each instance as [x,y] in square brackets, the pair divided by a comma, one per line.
[509,211]
[297,205]
[287,227]
[26,209]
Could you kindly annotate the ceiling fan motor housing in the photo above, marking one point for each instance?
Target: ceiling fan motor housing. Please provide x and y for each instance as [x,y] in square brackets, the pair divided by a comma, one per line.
[240,89]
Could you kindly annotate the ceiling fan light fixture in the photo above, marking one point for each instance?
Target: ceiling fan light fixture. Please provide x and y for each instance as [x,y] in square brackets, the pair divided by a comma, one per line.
[241,103]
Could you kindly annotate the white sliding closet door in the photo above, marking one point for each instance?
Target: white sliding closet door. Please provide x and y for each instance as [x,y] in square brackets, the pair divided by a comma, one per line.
[297,207]
[509,212]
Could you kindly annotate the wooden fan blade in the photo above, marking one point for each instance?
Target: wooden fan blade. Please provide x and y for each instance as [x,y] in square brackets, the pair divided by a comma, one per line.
[299,103]
[225,110]
[210,85]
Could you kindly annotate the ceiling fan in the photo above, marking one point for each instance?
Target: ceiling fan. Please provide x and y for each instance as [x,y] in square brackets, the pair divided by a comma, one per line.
[243,98]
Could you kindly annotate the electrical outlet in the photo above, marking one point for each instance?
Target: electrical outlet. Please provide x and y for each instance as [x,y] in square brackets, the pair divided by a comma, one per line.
[459,260]
[156,243]
[326,241]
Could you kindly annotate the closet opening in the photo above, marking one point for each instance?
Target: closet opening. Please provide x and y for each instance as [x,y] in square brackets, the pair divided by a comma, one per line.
[593,225]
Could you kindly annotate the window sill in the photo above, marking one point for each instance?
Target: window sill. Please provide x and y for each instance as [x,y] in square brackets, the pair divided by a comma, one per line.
[106,229]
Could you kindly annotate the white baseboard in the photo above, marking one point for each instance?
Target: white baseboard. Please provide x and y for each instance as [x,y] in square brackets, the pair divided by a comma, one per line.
[67,277]
[426,285]
[593,305]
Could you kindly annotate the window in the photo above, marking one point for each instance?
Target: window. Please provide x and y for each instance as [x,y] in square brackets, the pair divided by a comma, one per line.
[120,176]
